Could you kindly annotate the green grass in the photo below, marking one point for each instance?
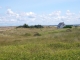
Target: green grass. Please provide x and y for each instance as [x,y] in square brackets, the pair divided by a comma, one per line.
[52,44]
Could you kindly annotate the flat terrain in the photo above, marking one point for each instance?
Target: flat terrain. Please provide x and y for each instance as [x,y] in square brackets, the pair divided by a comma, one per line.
[47,43]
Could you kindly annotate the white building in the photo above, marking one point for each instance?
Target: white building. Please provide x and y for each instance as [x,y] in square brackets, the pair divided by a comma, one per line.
[61,25]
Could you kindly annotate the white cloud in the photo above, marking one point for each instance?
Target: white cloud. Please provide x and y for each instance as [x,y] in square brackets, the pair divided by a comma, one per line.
[33,18]
[11,13]
[29,14]
[68,13]
[55,13]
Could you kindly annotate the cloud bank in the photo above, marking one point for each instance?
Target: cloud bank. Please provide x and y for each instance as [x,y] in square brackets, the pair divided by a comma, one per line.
[31,18]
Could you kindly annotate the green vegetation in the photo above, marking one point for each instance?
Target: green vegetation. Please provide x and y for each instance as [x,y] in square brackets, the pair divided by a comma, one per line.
[23,26]
[27,26]
[37,34]
[68,26]
[40,44]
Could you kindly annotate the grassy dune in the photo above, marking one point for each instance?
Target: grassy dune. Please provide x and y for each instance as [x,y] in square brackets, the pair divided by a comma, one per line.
[40,44]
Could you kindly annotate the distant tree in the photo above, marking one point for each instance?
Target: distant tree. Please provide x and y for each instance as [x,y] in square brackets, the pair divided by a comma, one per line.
[25,26]
[38,26]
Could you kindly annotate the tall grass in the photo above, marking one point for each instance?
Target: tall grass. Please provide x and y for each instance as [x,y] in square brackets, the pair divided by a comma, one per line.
[52,44]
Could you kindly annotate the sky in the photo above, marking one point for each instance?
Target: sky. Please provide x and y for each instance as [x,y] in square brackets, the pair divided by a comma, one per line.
[43,12]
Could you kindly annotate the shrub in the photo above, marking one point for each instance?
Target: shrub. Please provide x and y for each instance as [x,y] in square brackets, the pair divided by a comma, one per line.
[26,26]
[27,34]
[23,26]
[68,30]
[37,34]
[38,26]
[68,26]
[19,27]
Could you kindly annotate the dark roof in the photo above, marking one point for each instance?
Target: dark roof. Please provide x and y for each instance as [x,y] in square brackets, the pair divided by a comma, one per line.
[60,24]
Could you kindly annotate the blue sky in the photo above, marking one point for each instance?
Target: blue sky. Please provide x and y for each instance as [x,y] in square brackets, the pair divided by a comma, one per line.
[44,12]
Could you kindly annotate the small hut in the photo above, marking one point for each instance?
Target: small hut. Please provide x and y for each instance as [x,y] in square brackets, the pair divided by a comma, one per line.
[61,25]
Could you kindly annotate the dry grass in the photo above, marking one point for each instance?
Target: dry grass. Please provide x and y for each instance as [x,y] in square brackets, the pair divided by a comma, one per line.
[52,44]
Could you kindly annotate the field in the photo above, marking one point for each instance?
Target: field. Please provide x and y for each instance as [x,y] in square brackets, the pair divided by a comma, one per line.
[47,43]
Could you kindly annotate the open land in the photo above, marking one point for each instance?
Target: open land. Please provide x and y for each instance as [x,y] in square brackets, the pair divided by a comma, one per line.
[47,43]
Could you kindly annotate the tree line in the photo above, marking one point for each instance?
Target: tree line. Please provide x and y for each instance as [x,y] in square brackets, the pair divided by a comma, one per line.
[27,26]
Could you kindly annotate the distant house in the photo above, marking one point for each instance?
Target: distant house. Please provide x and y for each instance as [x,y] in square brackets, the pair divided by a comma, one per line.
[61,25]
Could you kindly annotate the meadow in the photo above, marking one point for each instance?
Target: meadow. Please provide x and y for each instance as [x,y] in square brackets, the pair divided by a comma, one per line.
[47,43]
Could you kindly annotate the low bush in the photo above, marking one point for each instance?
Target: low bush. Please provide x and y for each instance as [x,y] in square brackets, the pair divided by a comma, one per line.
[37,34]
[68,26]
[27,34]
[68,30]
[33,26]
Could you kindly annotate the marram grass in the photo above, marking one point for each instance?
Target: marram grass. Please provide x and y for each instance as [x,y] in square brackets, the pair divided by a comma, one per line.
[52,44]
